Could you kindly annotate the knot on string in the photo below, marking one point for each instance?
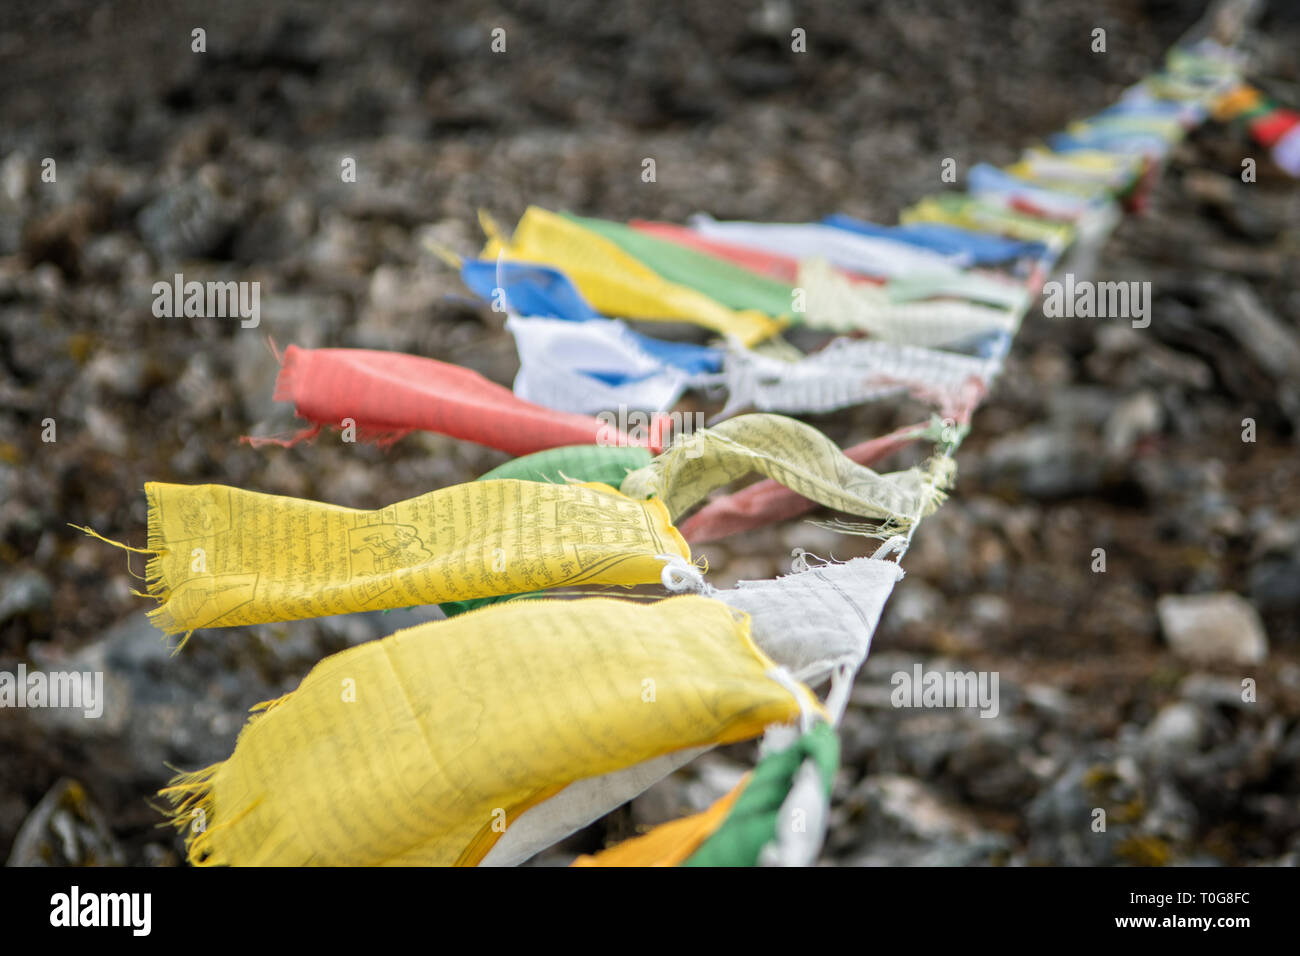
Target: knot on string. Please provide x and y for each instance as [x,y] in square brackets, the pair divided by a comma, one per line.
[800,561]
[679,577]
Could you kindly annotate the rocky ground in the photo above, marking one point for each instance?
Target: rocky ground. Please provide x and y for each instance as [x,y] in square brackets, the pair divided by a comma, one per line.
[1114,692]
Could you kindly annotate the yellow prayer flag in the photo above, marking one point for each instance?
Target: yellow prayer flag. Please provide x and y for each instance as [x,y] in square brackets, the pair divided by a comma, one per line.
[617,284]
[225,556]
[421,748]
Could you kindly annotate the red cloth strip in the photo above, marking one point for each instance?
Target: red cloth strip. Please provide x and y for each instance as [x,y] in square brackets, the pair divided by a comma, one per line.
[785,268]
[389,394]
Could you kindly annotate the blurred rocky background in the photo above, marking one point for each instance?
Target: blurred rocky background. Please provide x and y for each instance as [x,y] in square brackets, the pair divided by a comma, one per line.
[1120,689]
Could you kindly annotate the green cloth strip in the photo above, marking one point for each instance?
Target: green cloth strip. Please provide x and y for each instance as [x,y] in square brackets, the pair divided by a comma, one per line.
[751,825]
[717,278]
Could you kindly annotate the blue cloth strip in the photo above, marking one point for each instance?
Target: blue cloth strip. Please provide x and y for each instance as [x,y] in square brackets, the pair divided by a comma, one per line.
[537,291]
[983,248]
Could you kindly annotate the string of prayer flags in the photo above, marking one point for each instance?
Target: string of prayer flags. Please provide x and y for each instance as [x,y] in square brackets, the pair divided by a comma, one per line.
[617,284]
[487,737]
[970,212]
[768,501]
[1116,173]
[977,287]
[423,747]
[224,556]
[1142,100]
[387,395]
[1062,201]
[1270,125]
[1133,135]
[798,456]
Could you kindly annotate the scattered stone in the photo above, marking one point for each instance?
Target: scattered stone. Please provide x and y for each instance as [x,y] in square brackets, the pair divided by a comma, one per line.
[65,829]
[1213,627]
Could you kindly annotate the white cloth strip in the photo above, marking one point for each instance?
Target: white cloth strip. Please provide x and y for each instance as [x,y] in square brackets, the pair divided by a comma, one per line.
[557,359]
[850,372]
[814,621]
[848,250]
[835,303]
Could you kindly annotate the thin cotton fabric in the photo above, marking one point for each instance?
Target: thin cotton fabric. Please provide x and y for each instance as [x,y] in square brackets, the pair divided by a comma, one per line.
[852,372]
[768,501]
[1062,202]
[752,823]
[837,305]
[798,456]
[537,291]
[603,464]
[671,843]
[976,248]
[225,556]
[590,367]
[818,619]
[970,212]
[421,748]
[390,394]
[771,264]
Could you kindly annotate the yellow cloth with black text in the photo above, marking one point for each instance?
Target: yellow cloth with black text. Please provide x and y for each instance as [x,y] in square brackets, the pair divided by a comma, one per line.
[225,556]
[421,748]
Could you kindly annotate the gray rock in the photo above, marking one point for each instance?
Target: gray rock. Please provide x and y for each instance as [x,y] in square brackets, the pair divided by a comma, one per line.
[1044,462]
[903,822]
[23,592]
[1208,690]
[1210,627]
[1136,417]
[65,829]
[1175,733]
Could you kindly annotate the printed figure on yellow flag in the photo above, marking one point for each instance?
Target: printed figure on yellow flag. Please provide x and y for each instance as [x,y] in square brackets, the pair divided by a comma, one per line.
[224,556]
[450,731]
